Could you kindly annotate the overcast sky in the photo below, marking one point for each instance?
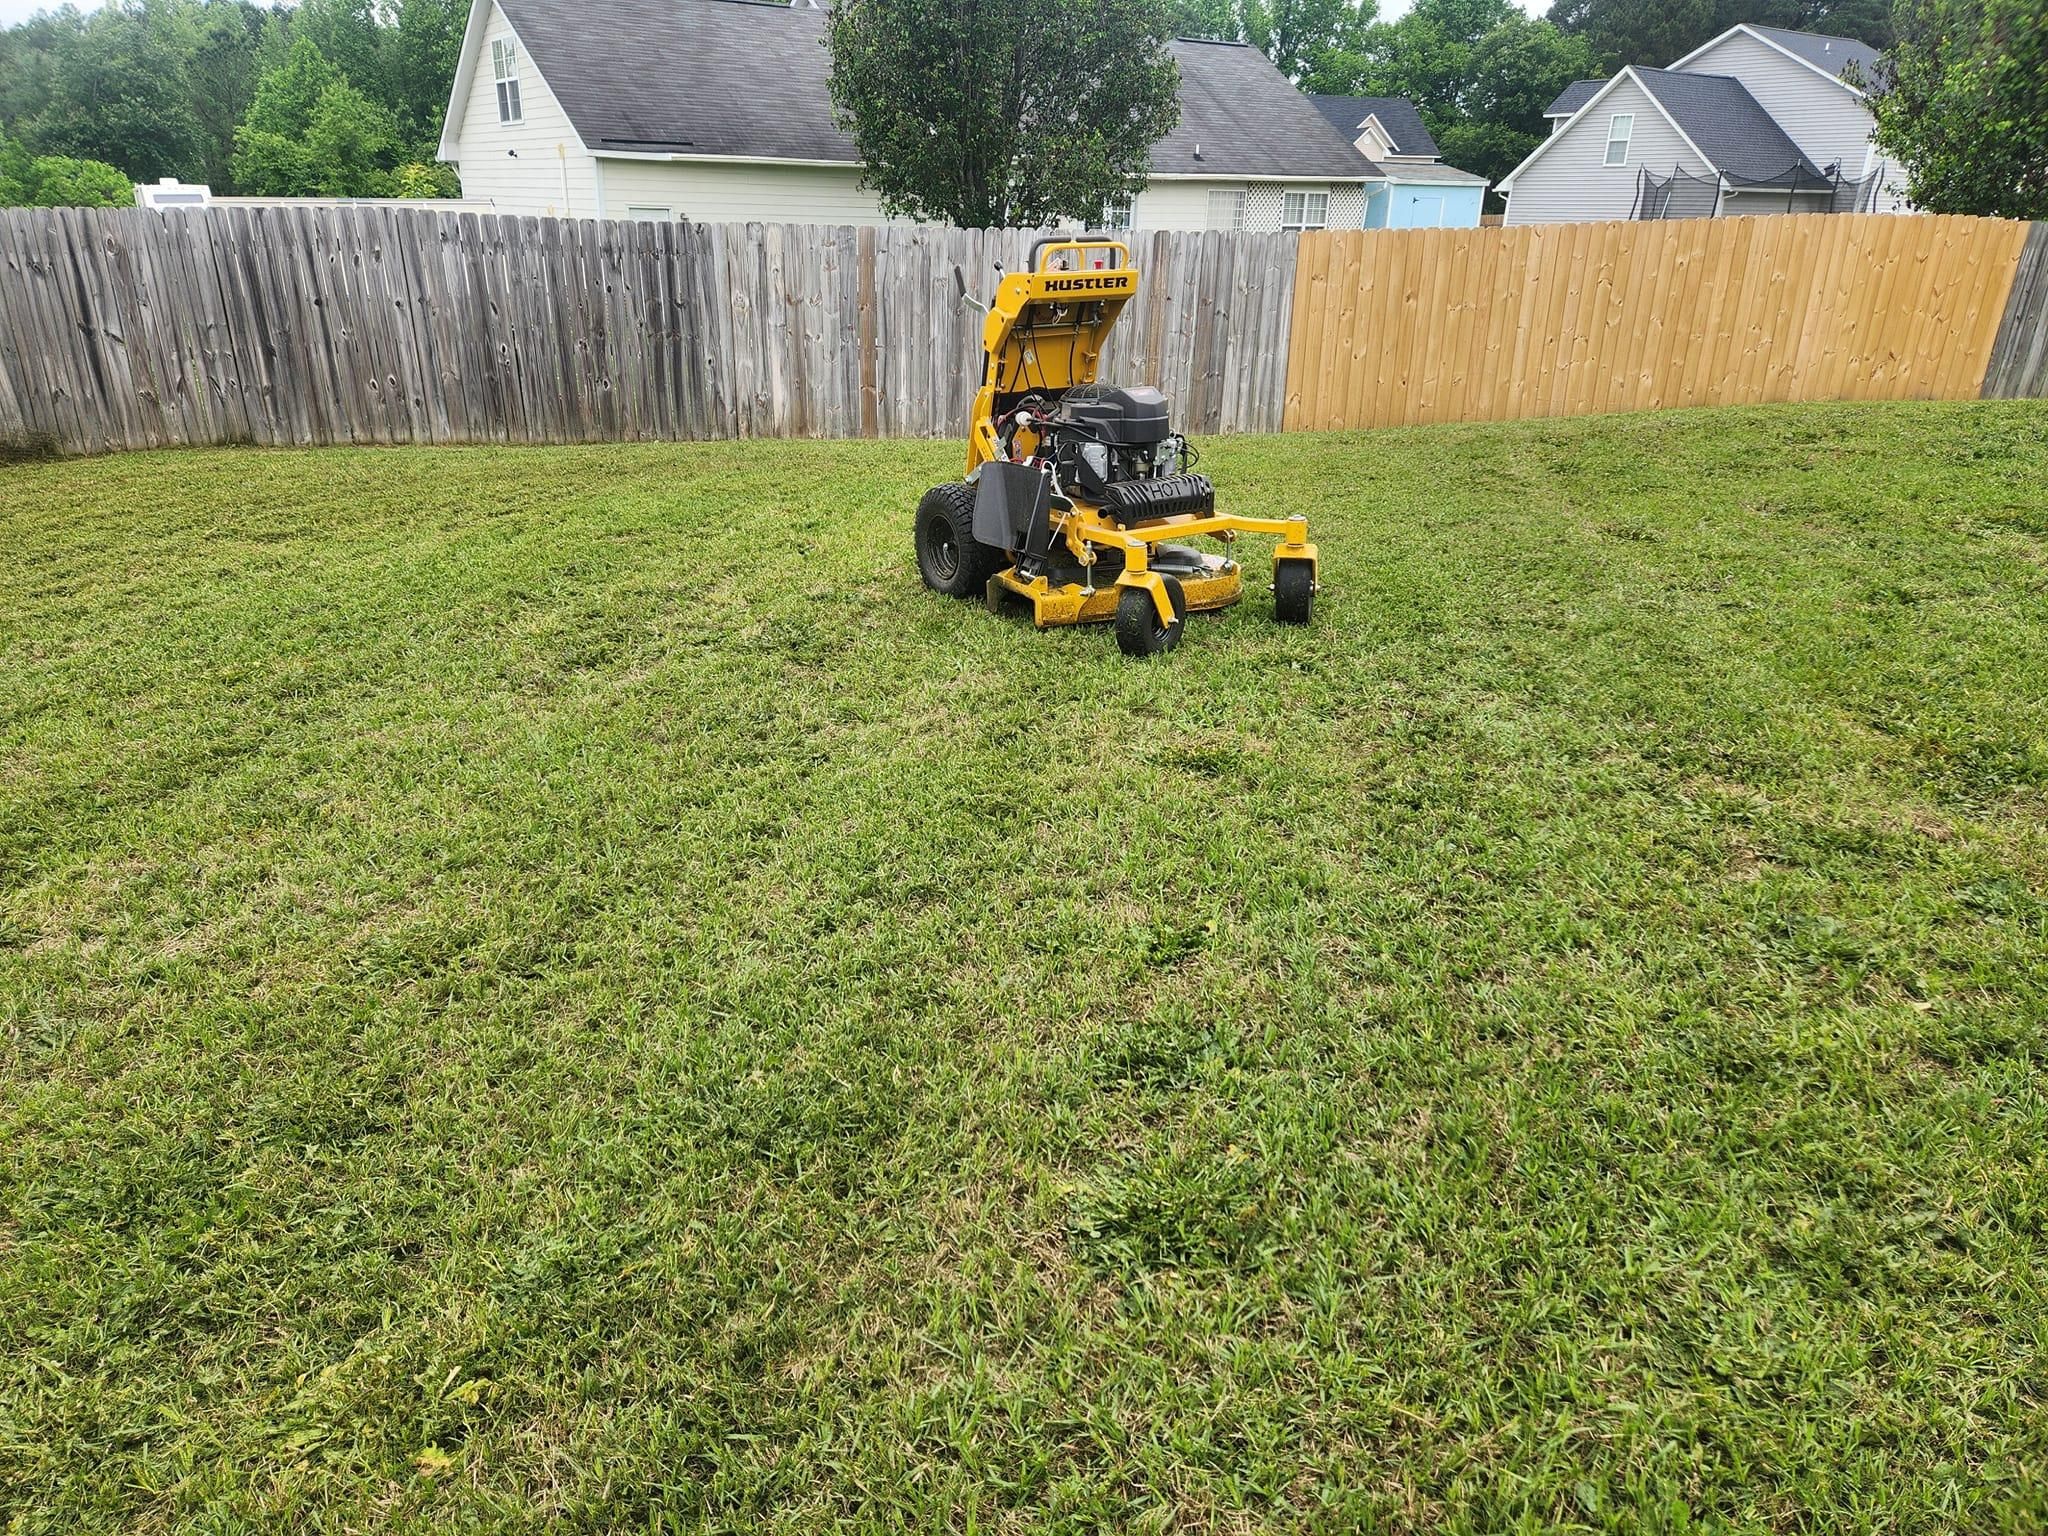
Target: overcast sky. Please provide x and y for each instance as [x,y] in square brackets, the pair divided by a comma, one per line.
[12,11]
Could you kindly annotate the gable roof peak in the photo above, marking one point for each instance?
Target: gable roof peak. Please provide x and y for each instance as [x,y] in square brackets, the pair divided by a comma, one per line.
[1398,119]
[1825,53]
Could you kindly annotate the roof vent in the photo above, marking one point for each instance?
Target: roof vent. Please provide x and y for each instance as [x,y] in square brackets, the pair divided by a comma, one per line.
[1198,151]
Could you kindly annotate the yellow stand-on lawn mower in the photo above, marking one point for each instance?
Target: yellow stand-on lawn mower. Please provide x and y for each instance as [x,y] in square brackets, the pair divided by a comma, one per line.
[1073,488]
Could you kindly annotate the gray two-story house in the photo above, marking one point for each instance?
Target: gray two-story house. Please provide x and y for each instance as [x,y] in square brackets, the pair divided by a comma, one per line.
[1758,120]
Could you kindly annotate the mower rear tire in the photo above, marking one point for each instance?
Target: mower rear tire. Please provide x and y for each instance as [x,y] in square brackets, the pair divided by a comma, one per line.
[949,557]
[1294,591]
[1138,630]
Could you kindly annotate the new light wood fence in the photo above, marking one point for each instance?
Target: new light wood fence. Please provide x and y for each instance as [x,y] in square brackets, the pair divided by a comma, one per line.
[1562,319]
[133,329]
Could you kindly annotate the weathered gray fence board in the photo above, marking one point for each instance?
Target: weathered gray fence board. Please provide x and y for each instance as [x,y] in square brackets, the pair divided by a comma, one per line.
[2019,357]
[131,328]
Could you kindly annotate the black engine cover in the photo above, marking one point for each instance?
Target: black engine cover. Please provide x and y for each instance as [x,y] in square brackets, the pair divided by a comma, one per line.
[1129,416]
[1138,501]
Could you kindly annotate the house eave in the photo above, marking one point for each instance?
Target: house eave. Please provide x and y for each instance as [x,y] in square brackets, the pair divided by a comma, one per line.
[690,157]
[687,156]
[1363,176]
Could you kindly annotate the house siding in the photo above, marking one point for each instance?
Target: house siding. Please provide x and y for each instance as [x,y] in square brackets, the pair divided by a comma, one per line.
[710,192]
[1830,123]
[1180,204]
[1185,204]
[707,192]
[1569,183]
[532,180]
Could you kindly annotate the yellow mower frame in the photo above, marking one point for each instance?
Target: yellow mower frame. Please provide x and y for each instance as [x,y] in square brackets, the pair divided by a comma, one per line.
[1044,332]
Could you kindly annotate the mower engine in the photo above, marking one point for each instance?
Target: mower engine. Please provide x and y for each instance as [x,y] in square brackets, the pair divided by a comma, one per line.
[1110,445]
[1098,435]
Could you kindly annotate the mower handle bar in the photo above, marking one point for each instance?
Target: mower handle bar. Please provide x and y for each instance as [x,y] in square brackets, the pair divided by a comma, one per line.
[1078,243]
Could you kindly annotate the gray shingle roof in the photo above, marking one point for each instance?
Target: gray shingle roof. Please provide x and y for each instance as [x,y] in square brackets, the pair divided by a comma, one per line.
[1397,115]
[1434,171]
[707,77]
[1738,137]
[1831,54]
[1249,120]
[1573,97]
[735,77]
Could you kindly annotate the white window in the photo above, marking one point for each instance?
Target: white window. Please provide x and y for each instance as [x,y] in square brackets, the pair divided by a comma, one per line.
[1226,210]
[1115,216]
[646,215]
[1619,129]
[1305,210]
[505,67]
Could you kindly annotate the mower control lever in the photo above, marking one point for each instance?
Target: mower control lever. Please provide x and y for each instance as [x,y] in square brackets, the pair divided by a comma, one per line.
[962,295]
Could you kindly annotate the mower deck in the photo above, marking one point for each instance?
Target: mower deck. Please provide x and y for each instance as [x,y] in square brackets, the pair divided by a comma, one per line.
[1070,593]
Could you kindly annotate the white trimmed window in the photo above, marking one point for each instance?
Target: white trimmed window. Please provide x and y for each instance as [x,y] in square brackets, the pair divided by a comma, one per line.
[1305,210]
[1115,216]
[505,69]
[1226,210]
[1620,128]
[641,214]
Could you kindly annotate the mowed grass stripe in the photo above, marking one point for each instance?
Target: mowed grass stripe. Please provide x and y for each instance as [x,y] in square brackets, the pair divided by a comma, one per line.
[559,987]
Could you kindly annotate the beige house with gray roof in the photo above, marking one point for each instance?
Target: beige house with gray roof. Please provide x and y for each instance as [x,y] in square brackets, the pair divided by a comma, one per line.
[717,110]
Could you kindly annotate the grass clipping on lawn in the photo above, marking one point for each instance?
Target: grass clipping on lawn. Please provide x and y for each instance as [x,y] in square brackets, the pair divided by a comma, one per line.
[560,985]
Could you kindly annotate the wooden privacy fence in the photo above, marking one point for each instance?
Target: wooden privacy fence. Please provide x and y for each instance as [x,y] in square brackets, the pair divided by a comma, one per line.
[1561,319]
[130,328]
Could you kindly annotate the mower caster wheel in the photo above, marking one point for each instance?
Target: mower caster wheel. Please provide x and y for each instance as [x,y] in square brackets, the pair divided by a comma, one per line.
[1138,630]
[1294,591]
[949,557]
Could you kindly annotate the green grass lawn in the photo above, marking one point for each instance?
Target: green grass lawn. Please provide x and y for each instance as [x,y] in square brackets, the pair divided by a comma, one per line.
[560,988]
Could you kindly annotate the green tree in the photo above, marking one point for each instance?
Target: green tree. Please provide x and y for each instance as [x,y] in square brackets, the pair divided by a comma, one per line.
[159,87]
[1297,35]
[118,91]
[420,179]
[1222,19]
[1480,72]
[1962,104]
[350,143]
[58,181]
[988,115]
[429,37]
[350,34]
[1426,55]
[28,63]
[221,66]
[14,173]
[310,133]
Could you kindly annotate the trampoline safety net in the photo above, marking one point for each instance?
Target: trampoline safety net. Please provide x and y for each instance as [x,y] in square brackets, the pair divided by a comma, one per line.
[1682,195]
